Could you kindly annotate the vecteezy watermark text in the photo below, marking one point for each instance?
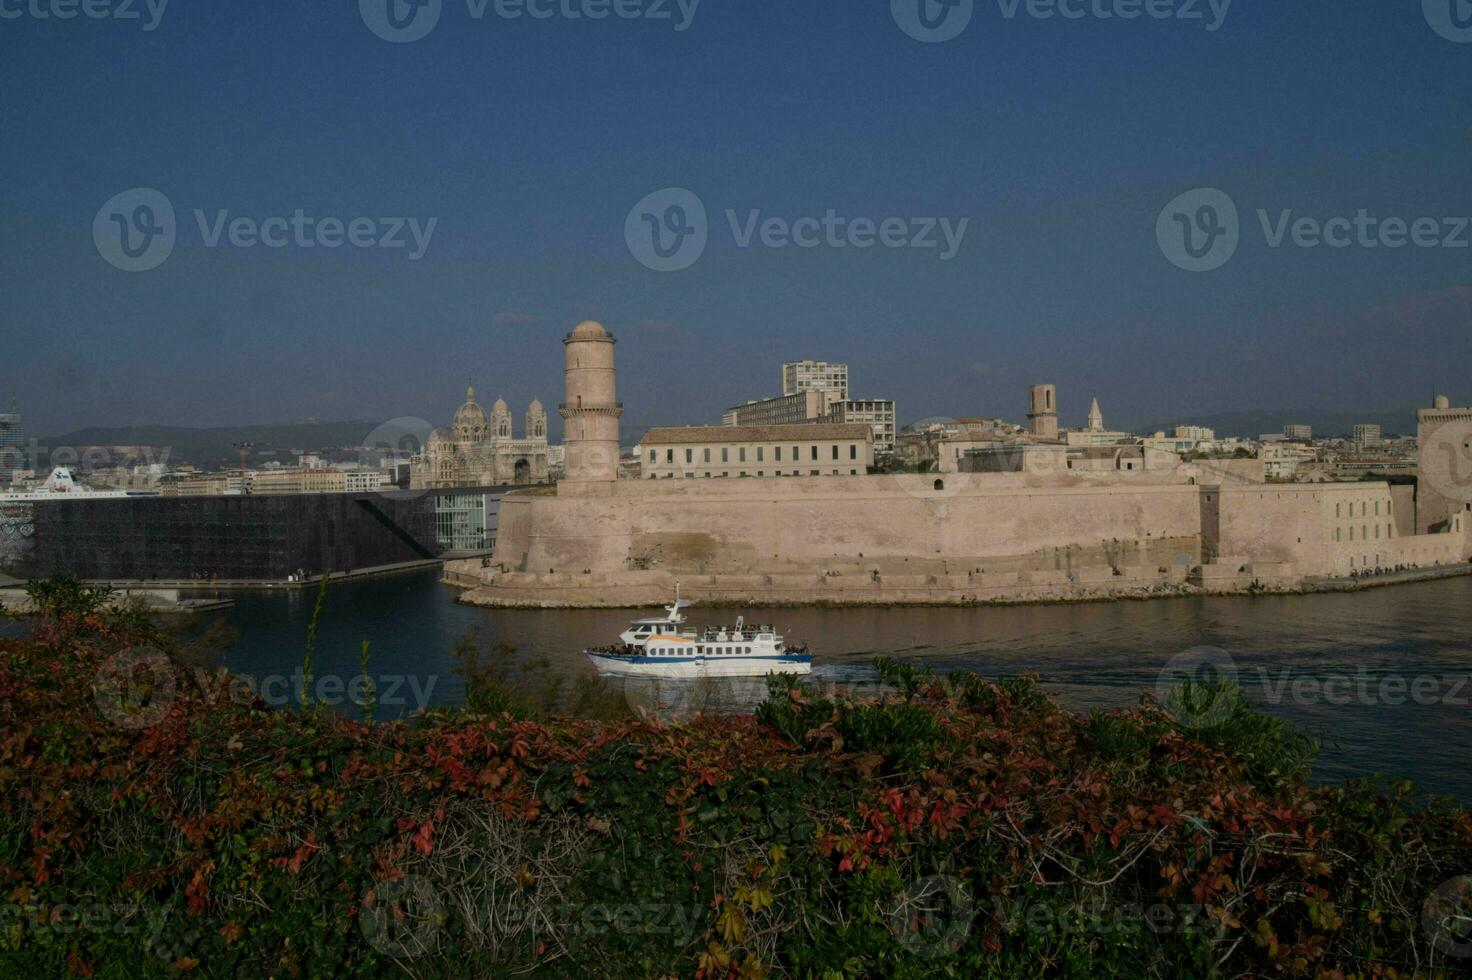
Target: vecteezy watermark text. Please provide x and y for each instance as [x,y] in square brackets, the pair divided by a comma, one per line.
[144,920]
[138,687]
[137,230]
[406,21]
[935,21]
[1199,231]
[668,231]
[149,12]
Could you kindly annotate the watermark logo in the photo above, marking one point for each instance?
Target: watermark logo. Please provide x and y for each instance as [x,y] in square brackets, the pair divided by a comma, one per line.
[402,918]
[932,21]
[401,21]
[393,447]
[135,230]
[1446,460]
[135,688]
[1447,917]
[150,12]
[405,21]
[668,230]
[1199,231]
[933,917]
[1452,19]
[1198,687]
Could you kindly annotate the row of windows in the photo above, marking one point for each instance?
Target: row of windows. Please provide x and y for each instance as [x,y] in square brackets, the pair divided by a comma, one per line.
[702,650]
[1364,532]
[721,476]
[669,454]
[1365,508]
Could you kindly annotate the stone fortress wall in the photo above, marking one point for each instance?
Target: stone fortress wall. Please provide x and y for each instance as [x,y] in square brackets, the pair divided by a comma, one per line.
[933,538]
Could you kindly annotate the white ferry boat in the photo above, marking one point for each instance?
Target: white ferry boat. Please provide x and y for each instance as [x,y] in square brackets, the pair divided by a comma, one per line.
[661,647]
[60,485]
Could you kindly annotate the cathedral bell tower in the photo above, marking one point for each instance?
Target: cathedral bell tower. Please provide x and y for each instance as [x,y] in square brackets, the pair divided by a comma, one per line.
[592,411]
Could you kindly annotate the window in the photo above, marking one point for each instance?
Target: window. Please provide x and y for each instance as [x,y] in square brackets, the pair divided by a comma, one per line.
[706,454]
[815,454]
[1364,533]
[760,473]
[1336,510]
[779,454]
[1377,508]
[653,455]
[835,450]
[1377,532]
[689,455]
[1351,532]
[741,454]
[816,473]
[725,455]
[669,455]
[759,453]
[1337,531]
[853,451]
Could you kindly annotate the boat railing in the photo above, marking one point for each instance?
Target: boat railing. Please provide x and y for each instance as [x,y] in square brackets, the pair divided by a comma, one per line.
[733,635]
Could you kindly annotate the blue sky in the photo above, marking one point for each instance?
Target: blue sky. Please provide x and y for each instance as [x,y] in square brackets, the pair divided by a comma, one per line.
[527,142]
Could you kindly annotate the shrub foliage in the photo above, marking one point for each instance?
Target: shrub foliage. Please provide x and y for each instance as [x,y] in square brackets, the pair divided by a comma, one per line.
[958,827]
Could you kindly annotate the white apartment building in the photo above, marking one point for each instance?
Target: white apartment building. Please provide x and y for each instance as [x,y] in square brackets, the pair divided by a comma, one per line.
[1283,460]
[878,413]
[804,406]
[800,376]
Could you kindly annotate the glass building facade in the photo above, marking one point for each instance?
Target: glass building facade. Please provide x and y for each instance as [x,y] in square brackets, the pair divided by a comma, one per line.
[244,537]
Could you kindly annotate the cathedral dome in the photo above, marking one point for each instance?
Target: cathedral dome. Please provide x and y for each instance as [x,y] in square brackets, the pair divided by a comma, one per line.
[536,406]
[438,438]
[470,414]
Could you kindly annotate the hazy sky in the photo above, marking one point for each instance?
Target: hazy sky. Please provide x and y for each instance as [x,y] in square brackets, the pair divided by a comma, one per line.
[528,141]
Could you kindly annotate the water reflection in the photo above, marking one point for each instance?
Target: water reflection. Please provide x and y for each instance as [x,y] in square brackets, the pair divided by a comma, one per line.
[1292,654]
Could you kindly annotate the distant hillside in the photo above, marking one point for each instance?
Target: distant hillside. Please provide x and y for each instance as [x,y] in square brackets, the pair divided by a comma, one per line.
[213,448]
[1326,424]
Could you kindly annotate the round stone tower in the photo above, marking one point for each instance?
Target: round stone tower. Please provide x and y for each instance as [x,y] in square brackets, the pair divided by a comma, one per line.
[1043,413]
[591,411]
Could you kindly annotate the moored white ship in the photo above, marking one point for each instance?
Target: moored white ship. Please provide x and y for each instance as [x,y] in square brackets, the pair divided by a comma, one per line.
[661,647]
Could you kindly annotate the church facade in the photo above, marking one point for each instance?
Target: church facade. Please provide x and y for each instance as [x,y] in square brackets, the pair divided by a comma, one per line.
[482,450]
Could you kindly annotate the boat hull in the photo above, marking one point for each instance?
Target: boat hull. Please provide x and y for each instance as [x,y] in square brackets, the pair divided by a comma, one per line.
[697,667]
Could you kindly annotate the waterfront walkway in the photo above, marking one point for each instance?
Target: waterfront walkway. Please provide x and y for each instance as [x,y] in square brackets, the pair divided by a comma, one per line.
[1344,584]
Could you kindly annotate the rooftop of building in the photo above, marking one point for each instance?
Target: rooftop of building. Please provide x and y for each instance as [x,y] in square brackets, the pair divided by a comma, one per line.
[819,431]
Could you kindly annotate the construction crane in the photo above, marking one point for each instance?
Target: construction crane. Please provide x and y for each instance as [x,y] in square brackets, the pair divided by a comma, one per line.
[243,448]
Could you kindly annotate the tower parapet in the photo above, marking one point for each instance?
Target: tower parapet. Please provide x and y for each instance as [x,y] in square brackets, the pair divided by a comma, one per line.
[591,411]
